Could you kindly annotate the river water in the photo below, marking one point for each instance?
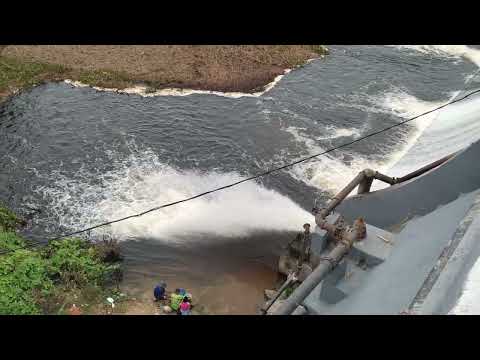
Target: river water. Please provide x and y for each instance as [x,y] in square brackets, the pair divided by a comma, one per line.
[74,157]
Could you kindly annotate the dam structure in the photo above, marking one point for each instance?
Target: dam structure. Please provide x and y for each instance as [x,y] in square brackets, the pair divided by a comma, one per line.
[422,216]
[419,247]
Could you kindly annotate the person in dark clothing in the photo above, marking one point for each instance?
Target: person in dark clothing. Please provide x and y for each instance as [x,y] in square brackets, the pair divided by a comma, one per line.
[299,247]
[306,244]
[160,291]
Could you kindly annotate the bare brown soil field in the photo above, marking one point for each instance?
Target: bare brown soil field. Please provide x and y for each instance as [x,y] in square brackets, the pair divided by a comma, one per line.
[236,68]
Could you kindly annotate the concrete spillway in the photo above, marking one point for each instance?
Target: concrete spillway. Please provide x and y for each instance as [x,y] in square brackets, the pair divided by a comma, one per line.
[419,248]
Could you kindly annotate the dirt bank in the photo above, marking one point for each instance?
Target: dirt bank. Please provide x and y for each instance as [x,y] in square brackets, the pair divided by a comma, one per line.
[226,68]
[234,291]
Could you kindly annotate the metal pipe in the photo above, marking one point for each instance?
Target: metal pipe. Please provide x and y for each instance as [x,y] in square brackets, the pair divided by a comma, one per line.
[364,180]
[325,266]
[384,178]
[342,195]
[364,186]
[330,228]
[290,280]
[425,168]
[300,310]
[370,175]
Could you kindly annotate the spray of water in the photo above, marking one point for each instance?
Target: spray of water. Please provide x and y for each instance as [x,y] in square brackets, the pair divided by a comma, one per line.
[141,181]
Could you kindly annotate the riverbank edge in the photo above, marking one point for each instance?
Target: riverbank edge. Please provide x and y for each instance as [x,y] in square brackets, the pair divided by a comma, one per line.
[17,75]
[64,275]
[28,286]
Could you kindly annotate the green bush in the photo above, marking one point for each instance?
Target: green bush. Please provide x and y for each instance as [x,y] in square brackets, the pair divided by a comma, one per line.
[23,277]
[10,241]
[75,262]
[29,277]
[8,220]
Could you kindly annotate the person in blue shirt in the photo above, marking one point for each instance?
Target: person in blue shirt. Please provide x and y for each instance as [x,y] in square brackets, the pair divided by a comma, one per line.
[160,291]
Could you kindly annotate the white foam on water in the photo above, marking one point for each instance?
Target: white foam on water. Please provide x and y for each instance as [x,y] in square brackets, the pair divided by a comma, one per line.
[142,90]
[330,172]
[141,182]
[334,132]
[456,127]
[455,51]
[325,172]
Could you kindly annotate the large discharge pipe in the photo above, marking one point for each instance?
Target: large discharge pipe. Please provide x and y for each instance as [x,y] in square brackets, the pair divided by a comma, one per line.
[364,181]
[326,265]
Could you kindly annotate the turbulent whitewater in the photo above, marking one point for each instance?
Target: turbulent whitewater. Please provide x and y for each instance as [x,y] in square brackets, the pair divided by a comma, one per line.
[75,157]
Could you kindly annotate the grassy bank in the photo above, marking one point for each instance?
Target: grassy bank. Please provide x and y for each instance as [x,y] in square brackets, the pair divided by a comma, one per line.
[16,75]
[243,68]
[50,279]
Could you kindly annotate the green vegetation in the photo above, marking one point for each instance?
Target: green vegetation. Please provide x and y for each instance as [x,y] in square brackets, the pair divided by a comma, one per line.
[288,292]
[44,281]
[16,74]
[8,220]
[319,49]
[102,78]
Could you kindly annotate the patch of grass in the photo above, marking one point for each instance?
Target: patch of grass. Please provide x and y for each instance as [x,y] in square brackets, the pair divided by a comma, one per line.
[15,73]
[8,219]
[18,74]
[103,78]
[319,49]
[10,241]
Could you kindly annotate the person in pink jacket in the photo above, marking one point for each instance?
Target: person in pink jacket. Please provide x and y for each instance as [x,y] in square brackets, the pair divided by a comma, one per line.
[185,306]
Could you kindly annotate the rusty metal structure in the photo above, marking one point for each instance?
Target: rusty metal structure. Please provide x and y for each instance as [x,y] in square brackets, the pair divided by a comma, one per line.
[342,238]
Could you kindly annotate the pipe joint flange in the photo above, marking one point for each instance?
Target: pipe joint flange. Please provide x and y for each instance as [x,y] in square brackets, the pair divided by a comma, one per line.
[332,262]
[369,173]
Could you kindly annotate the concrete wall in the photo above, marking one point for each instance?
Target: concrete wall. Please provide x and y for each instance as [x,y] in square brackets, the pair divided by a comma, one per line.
[385,208]
[391,286]
[449,284]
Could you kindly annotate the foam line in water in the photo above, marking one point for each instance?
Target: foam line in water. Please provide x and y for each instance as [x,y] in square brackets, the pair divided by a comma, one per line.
[142,182]
[456,51]
[142,90]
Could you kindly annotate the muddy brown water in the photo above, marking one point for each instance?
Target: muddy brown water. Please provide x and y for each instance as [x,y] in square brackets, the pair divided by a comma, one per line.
[224,277]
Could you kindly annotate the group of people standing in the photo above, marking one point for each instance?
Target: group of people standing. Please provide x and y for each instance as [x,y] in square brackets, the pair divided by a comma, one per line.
[180,300]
